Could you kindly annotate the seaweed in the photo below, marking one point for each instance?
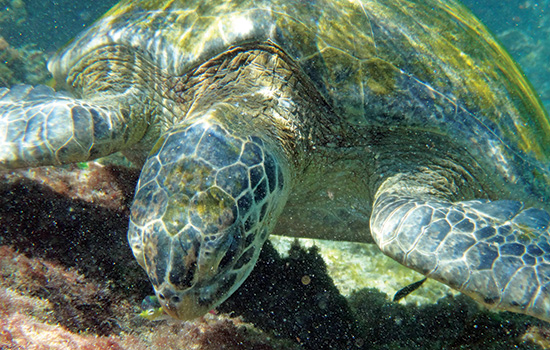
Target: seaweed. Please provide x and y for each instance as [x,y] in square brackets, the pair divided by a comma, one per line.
[65,264]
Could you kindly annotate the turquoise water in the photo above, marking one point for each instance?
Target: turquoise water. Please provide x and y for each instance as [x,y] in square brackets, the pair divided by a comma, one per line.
[524,29]
[47,24]
[522,26]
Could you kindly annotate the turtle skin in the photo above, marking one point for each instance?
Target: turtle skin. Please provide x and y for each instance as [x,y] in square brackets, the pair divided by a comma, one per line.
[402,123]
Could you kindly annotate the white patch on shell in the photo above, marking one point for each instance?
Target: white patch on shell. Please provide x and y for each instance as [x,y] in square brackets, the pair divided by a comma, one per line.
[237,26]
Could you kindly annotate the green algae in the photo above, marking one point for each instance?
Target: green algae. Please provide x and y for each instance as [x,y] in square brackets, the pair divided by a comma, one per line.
[354,266]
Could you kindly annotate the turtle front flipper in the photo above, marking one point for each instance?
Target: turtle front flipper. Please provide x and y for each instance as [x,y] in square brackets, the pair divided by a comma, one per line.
[496,252]
[39,126]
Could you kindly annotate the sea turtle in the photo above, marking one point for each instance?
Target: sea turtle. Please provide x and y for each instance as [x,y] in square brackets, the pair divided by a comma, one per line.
[399,122]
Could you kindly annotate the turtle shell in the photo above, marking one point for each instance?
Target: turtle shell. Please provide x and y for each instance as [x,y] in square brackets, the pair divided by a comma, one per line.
[427,65]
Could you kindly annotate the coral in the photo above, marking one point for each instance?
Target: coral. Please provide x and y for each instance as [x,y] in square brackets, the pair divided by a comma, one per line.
[41,302]
[18,331]
[22,332]
[106,186]
[68,280]
[539,335]
[22,65]
[64,221]
[213,333]
[12,12]
[73,267]
[73,301]
[44,306]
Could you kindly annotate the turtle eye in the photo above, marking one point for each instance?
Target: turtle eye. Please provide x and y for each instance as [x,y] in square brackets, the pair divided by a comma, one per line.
[175,299]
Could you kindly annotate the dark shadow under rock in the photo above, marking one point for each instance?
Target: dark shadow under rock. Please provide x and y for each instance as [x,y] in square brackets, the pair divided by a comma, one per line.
[78,218]
[295,298]
[451,323]
[49,221]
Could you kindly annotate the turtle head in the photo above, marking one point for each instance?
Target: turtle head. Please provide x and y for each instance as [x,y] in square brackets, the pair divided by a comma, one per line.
[204,205]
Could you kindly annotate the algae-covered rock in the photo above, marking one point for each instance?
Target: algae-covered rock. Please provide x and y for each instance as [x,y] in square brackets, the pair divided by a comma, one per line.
[73,268]
[22,65]
[68,275]
[295,298]
[74,221]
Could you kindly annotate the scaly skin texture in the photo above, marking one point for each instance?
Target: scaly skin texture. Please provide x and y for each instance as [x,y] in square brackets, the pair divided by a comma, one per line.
[398,122]
[438,44]
[215,185]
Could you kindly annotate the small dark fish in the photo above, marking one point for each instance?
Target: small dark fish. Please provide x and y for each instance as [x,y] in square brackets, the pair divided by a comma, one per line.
[403,292]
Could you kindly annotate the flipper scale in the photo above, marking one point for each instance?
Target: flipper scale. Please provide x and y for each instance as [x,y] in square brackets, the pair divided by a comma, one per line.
[39,126]
[497,254]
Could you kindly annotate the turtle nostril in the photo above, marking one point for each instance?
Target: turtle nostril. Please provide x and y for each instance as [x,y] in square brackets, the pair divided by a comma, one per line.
[161,296]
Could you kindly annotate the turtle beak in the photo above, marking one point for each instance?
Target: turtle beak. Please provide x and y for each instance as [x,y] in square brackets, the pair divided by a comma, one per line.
[184,307]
